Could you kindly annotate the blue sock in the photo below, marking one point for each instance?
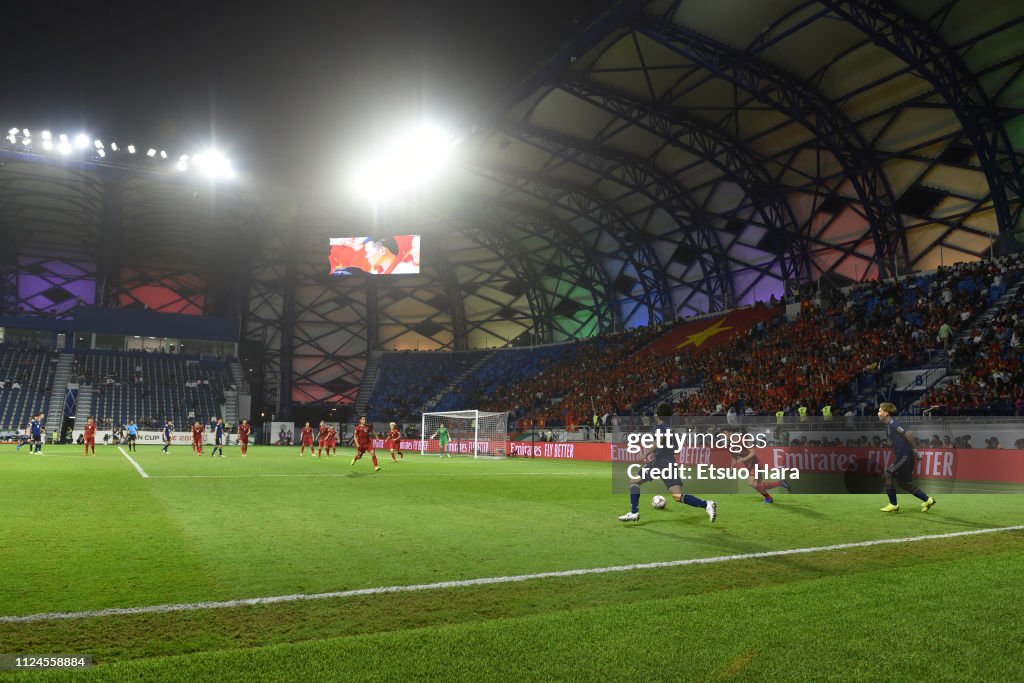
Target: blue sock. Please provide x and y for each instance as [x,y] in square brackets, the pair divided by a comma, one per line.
[695,501]
[634,498]
[891,492]
[918,493]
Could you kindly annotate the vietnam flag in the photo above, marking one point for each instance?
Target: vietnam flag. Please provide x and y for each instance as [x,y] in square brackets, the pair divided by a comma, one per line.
[711,332]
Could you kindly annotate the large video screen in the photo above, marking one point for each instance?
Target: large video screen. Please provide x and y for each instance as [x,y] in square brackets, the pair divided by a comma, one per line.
[375,255]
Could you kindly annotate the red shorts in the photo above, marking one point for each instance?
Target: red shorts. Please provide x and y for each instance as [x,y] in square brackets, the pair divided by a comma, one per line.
[307,442]
[364,448]
[244,440]
[329,444]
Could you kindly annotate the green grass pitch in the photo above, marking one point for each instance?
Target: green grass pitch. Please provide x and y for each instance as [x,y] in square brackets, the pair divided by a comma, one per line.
[81,534]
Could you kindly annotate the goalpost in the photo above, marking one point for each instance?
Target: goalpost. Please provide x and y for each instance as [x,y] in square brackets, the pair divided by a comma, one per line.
[484,435]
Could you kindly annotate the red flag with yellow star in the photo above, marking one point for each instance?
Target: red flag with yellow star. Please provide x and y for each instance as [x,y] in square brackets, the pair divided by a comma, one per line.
[712,332]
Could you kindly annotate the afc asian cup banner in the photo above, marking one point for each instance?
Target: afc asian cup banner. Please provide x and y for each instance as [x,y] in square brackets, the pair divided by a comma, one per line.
[712,332]
[148,437]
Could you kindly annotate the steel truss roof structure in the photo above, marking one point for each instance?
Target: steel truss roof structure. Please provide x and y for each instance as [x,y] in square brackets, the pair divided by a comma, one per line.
[675,158]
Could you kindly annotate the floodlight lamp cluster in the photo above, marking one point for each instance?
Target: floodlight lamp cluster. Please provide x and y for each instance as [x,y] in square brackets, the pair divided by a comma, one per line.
[413,158]
[211,163]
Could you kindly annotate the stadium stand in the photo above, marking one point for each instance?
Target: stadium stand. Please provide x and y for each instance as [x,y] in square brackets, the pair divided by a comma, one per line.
[408,380]
[990,361]
[150,387]
[604,373]
[30,369]
[841,352]
[503,368]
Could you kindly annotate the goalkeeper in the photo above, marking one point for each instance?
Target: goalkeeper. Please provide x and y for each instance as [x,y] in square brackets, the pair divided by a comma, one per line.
[442,436]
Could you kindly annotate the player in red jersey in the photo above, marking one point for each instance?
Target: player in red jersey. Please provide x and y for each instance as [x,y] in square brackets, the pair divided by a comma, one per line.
[332,438]
[243,436]
[393,442]
[197,438]
[363,441]
[321,439]
[306,439]
[90,435]
[747,459]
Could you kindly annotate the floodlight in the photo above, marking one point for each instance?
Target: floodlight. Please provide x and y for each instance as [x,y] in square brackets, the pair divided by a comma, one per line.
[100,153]
[214,164]
[163,154]
[182,164]
[25,132]
[63,137]
[98,144]
[11,138]
[131,149]
[47,144]
[46,135]
[413,158]
[64,147]
[113,146]
[81,141]
[151,153]
[26,141]
[12,131]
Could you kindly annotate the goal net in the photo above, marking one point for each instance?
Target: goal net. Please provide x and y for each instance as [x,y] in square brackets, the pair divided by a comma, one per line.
[464,432]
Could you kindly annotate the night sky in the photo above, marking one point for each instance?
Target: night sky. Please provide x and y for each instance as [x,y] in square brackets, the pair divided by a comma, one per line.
[289,90]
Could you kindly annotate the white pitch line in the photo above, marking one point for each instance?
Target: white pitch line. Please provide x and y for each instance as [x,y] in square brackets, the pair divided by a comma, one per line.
[192,606]
[141,471]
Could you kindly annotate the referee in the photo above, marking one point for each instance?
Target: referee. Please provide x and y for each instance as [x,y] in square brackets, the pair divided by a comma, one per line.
[901,470]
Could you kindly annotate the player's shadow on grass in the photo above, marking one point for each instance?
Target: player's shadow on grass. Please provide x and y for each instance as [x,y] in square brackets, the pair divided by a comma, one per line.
[785,505]
[939,518]
[729,544]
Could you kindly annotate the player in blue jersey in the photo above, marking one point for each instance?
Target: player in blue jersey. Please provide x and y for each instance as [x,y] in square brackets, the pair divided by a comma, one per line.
[218,439]
[661,459]
[26,438]
[901,470]
[132,430]
[35,433]
[168,430]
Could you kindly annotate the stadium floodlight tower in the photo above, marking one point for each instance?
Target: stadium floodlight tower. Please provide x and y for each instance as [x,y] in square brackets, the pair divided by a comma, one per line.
[464,432]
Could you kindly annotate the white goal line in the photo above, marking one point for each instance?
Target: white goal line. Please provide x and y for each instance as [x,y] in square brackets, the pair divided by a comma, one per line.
[193,606]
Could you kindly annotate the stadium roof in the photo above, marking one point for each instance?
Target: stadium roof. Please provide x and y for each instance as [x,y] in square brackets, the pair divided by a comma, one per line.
[710,151]
[674,158]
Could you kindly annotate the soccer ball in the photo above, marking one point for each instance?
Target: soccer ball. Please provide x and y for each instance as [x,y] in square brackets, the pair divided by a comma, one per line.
[658,502]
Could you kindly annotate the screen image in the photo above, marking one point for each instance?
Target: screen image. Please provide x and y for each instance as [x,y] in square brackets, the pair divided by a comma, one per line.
[375,255]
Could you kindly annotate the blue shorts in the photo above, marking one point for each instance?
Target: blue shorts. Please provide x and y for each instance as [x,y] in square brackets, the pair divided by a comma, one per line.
[902,468]
[659,465]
